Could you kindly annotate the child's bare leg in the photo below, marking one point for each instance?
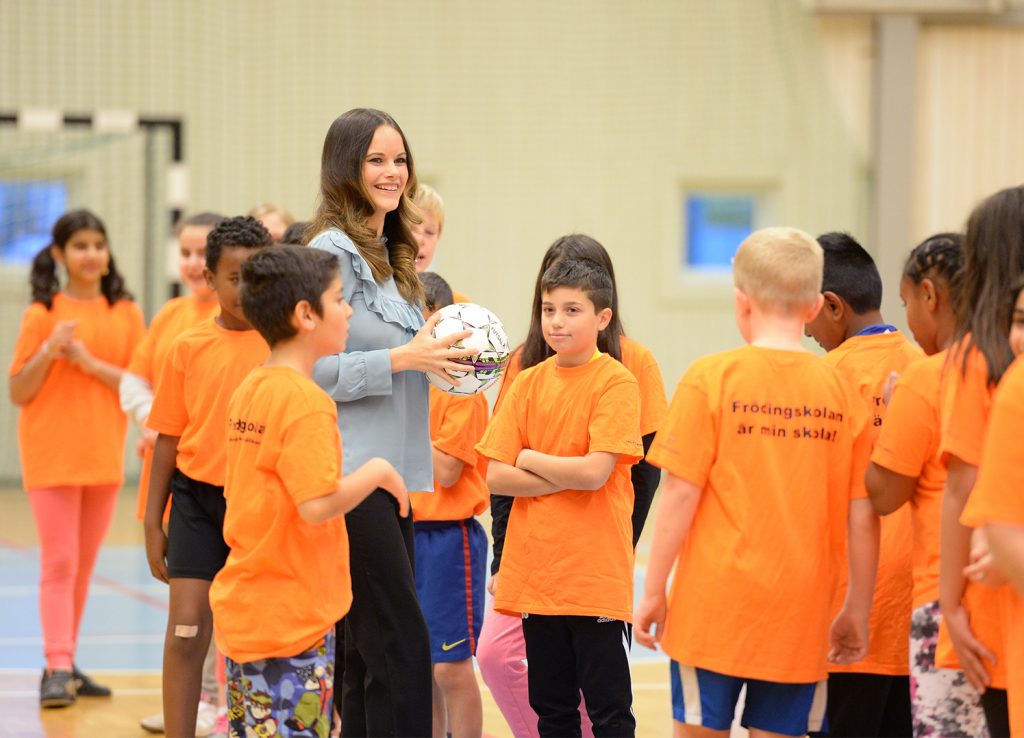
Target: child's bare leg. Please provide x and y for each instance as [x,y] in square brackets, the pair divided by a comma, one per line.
[462,696]
[189,627]
[211,686]
[440,711]
[682,730]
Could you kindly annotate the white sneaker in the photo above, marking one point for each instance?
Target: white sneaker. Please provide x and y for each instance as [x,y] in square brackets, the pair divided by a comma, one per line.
[206,719]
[153,723]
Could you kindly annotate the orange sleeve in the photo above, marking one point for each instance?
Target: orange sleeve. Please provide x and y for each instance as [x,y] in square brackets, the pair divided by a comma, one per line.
[615,423]
[653,402]
[161,329]
[141,364]
[35,328]
[503,439]
[169,414]
[862,441]
[687,443]
[309,465]
[462,424]
[137,330]
[863,434]
[909,437]
[998,495]
[965,406]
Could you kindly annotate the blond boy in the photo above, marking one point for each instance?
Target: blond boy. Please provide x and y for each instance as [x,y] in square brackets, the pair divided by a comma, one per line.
[762,488]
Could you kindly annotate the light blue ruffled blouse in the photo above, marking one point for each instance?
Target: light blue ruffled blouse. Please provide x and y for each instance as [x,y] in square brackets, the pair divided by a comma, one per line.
[380,413]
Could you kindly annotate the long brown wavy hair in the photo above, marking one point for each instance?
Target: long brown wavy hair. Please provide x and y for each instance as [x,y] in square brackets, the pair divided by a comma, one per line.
[993,263]
[344,202]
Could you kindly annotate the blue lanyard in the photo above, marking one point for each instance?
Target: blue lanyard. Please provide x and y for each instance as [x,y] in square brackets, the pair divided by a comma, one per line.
[874,330]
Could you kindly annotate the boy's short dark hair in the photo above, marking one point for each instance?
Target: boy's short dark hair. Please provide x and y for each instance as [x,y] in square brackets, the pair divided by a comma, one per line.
[295,233]
[850,272]
[242,230]
[275,280]
[437,293]
[581,274]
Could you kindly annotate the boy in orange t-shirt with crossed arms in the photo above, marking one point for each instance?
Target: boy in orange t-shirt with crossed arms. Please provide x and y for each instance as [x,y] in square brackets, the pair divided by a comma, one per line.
[562,444]
[759,446]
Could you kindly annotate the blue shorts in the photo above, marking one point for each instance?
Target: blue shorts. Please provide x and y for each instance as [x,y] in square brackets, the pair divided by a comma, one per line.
[707,698]
[451,573]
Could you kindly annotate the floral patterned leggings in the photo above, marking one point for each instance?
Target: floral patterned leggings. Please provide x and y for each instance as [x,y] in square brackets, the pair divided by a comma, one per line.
[942,701]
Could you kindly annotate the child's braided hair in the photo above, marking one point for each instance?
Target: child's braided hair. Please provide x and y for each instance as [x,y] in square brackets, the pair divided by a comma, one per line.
[937,257]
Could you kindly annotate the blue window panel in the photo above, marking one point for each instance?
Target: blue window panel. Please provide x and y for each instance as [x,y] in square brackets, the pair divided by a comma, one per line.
[28,210]
[716,224]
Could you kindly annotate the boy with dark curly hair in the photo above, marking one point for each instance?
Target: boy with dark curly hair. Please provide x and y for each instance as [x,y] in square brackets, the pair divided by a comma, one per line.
[204,367]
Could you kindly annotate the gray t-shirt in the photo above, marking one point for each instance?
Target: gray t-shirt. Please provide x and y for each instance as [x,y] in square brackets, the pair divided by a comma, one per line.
[380,413]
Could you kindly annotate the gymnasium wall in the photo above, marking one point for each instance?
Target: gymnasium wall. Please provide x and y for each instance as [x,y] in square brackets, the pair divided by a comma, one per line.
[533,119]
[968,108]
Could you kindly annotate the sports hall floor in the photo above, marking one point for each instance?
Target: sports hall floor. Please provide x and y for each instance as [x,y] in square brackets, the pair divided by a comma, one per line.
[122,636]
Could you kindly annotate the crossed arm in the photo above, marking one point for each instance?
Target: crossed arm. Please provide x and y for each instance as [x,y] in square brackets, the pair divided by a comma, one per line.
[536,474]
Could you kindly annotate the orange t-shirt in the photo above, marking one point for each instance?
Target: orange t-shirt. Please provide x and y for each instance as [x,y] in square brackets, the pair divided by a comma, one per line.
[909,445]
[286,581]
[571,552]
[204,366]
[72,432]
[998,497]
[965,407]
[770,437]
[641,363]
[867,362]
[456,425]
[173,319]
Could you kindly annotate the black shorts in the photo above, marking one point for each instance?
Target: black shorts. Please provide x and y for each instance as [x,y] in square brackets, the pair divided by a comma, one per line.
[195,533]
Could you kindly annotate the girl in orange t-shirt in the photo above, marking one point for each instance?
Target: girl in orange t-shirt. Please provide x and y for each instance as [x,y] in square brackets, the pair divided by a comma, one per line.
[73,344]
[136,391]
[993,263]
[502,650]
[174,318]
[997,502]
[905,468]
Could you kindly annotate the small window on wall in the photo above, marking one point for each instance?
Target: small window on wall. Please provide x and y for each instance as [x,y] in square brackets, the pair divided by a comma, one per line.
[28,210]
[716,223]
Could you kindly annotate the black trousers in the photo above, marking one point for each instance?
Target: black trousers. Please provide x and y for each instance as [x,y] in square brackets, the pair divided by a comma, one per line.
[874,705]
[645,478]
[385,657]
[997,714]
[570,653]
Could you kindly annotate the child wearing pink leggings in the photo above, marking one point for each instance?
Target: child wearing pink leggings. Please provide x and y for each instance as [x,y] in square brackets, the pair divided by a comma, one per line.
[73,344]
[501,651]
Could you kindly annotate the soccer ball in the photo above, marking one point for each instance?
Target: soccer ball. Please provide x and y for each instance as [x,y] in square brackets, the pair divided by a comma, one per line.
[486,350]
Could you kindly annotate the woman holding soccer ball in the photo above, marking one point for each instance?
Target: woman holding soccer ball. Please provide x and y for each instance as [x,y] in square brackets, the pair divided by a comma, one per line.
[365,217]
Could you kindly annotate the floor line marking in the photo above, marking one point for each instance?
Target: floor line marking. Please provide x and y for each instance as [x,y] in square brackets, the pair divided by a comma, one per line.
[110,639]
[119,692]
[106,581]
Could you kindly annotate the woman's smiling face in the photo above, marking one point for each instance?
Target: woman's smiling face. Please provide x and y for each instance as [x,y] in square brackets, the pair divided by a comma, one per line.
[385,170]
